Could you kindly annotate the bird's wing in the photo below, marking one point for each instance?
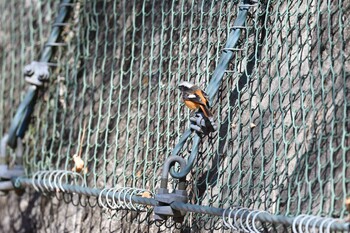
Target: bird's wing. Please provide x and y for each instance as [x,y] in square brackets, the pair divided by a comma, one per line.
[206,96]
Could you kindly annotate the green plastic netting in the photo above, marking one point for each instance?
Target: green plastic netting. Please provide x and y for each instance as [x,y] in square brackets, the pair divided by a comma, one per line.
[285,145]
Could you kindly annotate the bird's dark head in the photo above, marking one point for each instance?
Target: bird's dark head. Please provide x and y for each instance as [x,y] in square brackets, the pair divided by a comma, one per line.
[184,86]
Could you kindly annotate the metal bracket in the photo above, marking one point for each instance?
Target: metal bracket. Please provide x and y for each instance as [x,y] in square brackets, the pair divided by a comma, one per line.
[36,73]
[7,172]
[6,175]
[165,198]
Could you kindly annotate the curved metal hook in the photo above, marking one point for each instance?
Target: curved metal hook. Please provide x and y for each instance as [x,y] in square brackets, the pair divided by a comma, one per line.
[33,181]
[73,175]
[52,181]
[300,227]
[191,159]
[61,174]
[100,198]
[107,205]
[169,162]
[254,219]
[228,224]
[247,220]
[56,180]
[295,222]
[308,223]
[328,228]
[231,219]
[60,182]
[40,181]
[46,182]
[121,203]
[184,169]
[223,218]
[241,221]
[324,221]
[115,205]
[137,191]
[315,223]
[235,218]
[126,191]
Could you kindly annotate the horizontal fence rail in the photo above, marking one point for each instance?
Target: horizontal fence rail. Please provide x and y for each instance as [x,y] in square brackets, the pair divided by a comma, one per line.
[262,216]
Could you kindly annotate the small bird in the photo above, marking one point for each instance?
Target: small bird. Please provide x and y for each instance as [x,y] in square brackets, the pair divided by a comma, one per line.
[195,98]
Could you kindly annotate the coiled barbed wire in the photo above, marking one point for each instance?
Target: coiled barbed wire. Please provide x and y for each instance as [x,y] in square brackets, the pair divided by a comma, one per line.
[304,224]
[50,181]
[246,221]
[121,198]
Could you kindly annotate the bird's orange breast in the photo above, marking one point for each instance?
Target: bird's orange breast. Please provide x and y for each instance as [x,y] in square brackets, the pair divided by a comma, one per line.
[191,105]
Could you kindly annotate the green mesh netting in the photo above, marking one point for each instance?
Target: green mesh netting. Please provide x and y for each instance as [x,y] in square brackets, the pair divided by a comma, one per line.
[283,139]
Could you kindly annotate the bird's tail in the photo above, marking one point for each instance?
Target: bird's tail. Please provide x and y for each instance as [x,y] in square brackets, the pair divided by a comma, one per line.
[206,111]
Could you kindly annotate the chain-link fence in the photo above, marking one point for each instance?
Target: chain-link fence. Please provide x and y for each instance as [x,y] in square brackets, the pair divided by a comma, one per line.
[282,142]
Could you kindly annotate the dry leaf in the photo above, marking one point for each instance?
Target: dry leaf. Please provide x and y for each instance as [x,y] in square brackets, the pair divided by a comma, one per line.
[78,164]
[146,194]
